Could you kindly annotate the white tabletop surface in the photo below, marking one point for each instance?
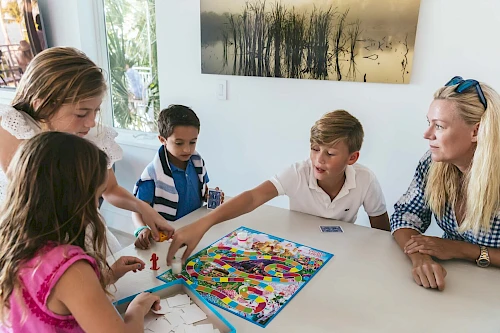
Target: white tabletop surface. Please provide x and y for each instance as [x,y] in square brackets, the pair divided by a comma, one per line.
[366,287]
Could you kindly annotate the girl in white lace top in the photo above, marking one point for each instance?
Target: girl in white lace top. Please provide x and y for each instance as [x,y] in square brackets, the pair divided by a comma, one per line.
[62,90]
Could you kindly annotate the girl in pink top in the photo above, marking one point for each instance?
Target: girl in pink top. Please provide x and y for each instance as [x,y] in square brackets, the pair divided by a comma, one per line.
[50,281]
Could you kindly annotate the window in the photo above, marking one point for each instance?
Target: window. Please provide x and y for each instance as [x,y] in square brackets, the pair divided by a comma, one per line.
[133,64]
[21,38]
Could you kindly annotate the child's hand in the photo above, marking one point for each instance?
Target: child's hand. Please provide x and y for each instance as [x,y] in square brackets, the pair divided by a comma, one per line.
[154,220]
[189,236]
[144,302]
[143,240]
[167,230]
[124,265]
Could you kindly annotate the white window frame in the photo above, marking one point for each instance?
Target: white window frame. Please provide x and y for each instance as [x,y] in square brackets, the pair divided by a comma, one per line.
[102,58]
[7,95]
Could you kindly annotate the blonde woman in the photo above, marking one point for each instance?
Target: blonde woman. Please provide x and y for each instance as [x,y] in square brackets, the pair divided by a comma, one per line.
[457,181]
[62,90]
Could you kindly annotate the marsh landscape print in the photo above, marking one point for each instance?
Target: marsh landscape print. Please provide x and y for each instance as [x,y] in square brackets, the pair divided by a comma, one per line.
[341,40]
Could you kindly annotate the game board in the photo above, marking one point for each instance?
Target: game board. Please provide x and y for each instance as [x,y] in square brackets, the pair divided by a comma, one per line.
[256,281]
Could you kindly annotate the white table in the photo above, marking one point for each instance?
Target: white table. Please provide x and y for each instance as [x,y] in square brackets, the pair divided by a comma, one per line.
[366,287]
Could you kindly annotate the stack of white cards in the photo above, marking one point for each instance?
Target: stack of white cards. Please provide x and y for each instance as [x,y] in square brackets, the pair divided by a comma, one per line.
[178,314]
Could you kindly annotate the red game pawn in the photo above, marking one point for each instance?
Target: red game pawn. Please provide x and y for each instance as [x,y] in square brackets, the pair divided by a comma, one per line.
[154,259]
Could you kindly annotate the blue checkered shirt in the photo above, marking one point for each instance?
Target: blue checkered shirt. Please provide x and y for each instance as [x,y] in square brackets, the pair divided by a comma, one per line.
[412,211]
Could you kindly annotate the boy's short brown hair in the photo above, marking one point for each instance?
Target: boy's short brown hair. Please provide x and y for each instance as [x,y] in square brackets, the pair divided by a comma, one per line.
[176,115]
[336,126]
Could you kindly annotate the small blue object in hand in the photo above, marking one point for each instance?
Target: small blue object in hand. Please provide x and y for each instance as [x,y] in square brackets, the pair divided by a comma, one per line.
[214,198]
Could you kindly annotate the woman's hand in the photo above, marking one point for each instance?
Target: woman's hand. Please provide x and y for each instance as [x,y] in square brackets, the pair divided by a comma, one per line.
[428,273]
[443,249]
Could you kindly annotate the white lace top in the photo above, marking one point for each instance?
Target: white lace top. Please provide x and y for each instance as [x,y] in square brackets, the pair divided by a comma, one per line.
[23,127]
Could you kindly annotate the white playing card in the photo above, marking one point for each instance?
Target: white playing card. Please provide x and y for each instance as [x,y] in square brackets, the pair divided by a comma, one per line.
[204,328]
[177,310]
[181,328]
[160,325]
[174,319]
[148,320]
[178,300]
[193,314]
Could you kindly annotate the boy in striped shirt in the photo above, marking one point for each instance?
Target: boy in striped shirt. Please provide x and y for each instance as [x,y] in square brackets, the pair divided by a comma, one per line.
[175,182]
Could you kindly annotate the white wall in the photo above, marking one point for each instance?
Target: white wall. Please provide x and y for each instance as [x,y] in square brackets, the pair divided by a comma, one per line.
[72,23]
[264,125]
[61,22]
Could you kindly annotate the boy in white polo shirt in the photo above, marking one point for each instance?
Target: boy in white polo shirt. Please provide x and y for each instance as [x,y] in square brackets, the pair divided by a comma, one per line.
[329,184]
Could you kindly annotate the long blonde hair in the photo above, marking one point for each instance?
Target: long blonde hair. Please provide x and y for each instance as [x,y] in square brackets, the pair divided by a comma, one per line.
[57,76]
[51,199]
[481,183]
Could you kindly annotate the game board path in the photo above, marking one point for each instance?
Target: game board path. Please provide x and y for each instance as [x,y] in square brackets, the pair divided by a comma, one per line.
[248,292]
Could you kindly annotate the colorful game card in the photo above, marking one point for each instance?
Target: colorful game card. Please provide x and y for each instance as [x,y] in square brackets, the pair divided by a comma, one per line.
[214,198]
[254,279]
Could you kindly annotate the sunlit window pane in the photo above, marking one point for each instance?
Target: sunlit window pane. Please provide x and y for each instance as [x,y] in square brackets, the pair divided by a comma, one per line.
[131,38]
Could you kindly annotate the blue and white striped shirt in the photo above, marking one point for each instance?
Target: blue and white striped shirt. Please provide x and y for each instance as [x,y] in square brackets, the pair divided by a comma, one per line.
[412,211]
[172,192]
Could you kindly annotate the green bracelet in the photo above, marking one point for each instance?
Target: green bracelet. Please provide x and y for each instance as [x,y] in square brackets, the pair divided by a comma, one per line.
[139,230]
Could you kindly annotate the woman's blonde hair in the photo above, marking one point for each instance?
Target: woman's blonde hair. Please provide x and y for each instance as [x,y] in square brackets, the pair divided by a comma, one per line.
[57,76]
[480,185]
[337,126]
[51,199]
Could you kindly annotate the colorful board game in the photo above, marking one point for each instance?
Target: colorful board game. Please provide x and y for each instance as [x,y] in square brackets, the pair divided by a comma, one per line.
[251,274]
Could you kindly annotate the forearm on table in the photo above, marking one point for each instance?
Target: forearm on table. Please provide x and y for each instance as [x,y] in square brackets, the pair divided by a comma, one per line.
[471,252]
[494,256]
[402,236]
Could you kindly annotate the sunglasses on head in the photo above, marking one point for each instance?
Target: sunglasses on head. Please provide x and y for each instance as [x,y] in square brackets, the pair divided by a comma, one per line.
[463,85]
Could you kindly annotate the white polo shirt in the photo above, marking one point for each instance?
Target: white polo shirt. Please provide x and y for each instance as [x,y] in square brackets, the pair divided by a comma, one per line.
[360,188]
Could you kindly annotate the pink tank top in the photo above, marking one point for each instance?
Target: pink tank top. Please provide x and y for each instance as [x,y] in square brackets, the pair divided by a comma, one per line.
[29,312]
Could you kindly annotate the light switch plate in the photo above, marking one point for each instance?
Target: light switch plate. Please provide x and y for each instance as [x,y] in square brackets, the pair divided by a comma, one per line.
[221,90]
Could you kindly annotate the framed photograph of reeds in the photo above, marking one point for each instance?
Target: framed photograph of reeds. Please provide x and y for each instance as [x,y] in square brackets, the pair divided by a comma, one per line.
[342,40]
